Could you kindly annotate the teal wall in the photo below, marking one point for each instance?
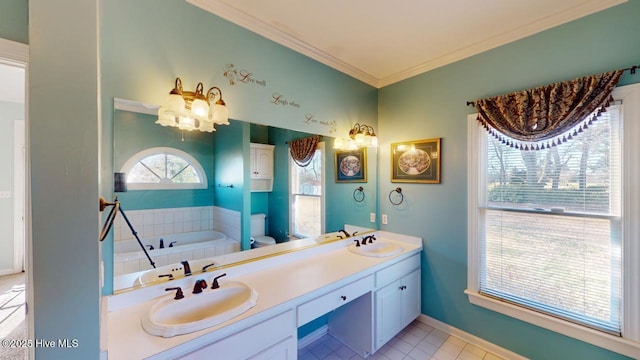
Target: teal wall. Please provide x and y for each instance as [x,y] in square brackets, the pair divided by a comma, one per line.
[9,112]
[63,129]
[14,20]
[433,105]
[229,166]
[134,132]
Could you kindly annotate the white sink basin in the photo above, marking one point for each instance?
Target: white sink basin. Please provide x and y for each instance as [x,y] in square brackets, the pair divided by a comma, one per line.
[168,317]
[377,249]
[176,270]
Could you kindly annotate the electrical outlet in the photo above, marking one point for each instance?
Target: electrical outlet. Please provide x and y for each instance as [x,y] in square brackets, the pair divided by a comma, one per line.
[384,219]
[372,217]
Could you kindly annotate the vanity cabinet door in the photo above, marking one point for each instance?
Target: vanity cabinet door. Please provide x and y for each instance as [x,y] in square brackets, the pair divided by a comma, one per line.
[388,321]
[397,305]
[284,350]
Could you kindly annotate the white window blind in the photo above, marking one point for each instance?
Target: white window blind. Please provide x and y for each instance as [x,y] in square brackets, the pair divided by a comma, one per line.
[551,234]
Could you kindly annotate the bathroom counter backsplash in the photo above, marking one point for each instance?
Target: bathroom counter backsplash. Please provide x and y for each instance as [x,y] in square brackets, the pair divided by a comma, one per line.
[279,281]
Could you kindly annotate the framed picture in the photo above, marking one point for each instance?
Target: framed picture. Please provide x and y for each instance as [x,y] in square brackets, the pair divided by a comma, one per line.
[351,165]
[416,161]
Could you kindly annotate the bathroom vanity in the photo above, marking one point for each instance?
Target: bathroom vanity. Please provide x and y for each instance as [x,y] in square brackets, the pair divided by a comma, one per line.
[369,300]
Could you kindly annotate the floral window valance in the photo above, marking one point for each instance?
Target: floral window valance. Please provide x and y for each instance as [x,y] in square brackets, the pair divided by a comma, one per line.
[302,150]
[548,115]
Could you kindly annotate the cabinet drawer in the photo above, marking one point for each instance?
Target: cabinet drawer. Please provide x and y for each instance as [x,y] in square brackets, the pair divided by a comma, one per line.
[325,303]
[396,271]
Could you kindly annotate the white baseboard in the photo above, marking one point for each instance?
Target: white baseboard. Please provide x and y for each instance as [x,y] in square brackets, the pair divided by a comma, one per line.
[471,339]
[313,336]
[8,272]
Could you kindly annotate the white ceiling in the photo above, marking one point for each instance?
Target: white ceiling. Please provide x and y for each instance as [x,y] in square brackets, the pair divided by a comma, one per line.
[381,42]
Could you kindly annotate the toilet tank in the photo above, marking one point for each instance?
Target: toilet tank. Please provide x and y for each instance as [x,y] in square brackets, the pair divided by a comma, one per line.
[257,224]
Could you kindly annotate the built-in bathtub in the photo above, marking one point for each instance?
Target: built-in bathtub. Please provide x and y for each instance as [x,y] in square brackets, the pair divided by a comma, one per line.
[129,257]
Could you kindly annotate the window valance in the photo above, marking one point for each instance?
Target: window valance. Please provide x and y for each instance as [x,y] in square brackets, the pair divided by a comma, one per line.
[548,115]
[302,150]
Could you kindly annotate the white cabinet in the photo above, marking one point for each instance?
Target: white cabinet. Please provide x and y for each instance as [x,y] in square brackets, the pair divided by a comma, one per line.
[272,339]
[396,306]
[261,167]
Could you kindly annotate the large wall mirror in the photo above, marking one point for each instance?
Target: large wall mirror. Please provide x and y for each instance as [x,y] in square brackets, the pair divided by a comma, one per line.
[189,193]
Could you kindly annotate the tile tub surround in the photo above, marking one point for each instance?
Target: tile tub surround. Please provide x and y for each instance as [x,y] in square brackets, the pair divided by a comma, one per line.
[158,223]
[282,283]
[162,222]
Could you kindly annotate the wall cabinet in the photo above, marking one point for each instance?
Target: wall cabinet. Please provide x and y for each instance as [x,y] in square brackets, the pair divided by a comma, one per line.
[396,306]
[261,167]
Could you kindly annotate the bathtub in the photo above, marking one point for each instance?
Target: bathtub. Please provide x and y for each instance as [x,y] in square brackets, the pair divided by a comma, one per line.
[128,257]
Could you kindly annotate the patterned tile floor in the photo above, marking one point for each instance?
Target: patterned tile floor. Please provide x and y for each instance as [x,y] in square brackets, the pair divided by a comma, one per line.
[417,341]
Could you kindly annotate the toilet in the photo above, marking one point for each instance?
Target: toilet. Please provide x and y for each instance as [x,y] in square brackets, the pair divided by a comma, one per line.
[258,238]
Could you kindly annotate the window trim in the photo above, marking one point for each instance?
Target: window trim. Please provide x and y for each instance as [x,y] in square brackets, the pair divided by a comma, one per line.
[629,344]
[133,160]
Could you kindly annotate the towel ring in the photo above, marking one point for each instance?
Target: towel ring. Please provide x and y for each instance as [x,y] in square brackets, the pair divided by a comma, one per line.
[358,190]
[399,191]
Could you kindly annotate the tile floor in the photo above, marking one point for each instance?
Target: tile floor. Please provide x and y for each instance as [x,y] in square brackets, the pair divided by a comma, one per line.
[12,315]
[417,341]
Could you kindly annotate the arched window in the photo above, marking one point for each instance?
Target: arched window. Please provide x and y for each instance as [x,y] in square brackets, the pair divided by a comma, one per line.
[164,168]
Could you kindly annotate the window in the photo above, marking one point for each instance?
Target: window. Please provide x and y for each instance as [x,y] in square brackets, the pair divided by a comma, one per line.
[549,234]
[306,196]
[164,168]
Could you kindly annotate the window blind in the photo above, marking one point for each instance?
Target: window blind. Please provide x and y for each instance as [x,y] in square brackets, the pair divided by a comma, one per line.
[552,234]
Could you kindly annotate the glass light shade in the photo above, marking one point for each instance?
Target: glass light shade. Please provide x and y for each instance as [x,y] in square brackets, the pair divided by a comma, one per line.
[164,118]
[219,114]
[200,109]
[351,145]
[360,139]
[374,141]
[186,123]
[206,126]
[338,143]
[174,105]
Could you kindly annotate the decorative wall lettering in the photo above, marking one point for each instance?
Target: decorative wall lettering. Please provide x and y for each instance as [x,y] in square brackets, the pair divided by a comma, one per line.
[279,99]
[308,118]
[241,76]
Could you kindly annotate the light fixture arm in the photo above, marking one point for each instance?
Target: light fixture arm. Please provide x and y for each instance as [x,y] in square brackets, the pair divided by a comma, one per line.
[214,92]
[177,89]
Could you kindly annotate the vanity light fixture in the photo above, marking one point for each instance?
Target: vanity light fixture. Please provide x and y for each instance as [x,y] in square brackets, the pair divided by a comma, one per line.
[360,135]
[189,110]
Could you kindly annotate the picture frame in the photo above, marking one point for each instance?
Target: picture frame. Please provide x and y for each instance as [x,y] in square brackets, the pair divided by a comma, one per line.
[351,165]
[416,161]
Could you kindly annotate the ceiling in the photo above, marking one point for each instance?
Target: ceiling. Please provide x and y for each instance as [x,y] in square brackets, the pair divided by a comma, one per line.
[381,42]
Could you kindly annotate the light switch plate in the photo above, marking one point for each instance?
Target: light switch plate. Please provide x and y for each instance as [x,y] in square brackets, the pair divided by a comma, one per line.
[372,217]
[384,219]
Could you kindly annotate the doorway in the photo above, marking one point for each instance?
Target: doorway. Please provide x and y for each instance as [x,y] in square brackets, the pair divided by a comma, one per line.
[14,246]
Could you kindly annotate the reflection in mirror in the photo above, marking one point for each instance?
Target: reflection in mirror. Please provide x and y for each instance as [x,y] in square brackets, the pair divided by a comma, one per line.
[187,195]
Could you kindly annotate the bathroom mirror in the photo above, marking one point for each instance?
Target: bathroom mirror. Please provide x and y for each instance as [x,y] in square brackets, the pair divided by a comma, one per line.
[200,195]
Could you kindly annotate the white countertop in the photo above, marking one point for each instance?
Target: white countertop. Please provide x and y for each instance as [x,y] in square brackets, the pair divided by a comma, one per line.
[282,283]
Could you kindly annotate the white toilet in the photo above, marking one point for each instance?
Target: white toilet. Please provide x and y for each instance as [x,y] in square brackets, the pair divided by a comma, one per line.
[258,237]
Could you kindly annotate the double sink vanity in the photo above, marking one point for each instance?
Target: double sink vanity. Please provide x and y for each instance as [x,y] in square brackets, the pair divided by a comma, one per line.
[253,309]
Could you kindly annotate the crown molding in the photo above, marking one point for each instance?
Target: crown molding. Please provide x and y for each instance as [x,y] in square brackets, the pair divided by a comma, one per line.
[502,39]
[249,22]
[14,51]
